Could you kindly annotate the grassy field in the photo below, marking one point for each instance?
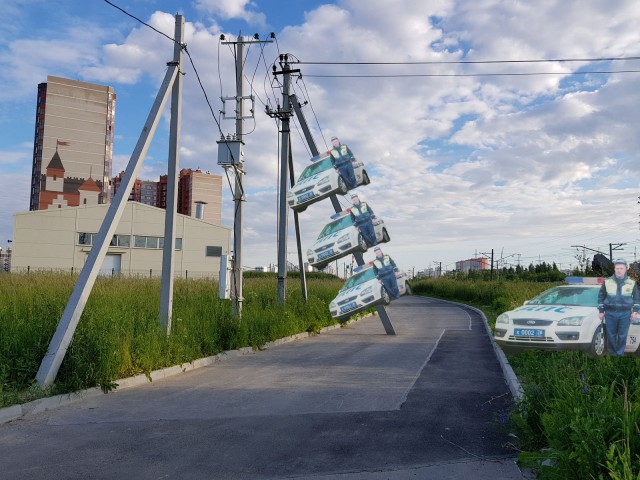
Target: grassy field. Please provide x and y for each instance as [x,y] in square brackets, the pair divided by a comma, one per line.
[580,418]
[119,333]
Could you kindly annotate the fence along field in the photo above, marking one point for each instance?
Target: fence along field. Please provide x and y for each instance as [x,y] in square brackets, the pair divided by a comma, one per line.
[119,334]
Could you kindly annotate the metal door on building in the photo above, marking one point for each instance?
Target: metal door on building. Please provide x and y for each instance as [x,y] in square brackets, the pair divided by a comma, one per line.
[111,265]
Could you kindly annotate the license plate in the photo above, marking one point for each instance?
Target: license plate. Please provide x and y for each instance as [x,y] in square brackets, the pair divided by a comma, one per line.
[348,306]
[326,254]
[305,196]
[528,332]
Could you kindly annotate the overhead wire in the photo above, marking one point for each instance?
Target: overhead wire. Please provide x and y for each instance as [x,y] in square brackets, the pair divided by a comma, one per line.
[450,75]
[474,62]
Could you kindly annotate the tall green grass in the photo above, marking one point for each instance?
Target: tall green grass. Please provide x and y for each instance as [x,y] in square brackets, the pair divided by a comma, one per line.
[580,417]
[119,333]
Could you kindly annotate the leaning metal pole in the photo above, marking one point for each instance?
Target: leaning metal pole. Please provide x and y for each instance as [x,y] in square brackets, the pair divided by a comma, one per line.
[169,247]
[382,313]
[296,221]
[75,306]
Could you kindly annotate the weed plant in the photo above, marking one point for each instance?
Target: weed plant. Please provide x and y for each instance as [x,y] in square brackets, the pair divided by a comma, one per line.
[580,417]
[119,334]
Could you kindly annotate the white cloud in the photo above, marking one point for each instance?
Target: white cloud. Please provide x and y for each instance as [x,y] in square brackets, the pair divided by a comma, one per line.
[229,9]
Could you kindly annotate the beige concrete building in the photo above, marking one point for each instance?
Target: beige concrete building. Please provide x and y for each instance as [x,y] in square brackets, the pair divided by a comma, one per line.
[60,239]
[74,120]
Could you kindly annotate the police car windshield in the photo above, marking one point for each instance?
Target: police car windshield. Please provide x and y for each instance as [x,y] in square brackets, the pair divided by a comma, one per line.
[358,278]
[574,296]
[336,225]
[315,168]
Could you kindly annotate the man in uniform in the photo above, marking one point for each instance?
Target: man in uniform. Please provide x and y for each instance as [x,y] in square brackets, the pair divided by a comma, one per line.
[342,158]
[619,302]
[385,270]
[361,214]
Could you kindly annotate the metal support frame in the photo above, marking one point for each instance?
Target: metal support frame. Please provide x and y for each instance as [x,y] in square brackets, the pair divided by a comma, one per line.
[75,306]
[382,313]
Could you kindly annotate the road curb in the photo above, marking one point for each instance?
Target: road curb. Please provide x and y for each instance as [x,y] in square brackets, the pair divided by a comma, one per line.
[510,376]
[15,412]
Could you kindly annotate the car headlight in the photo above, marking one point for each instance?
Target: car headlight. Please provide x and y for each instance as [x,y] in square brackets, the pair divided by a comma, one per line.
[343,238]
[323,181]
[570,321]
[504,318]
[367,291]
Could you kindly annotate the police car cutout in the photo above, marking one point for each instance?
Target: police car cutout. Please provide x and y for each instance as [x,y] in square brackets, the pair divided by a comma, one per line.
[362,291]
[319,180]
[561,318]
[340,237]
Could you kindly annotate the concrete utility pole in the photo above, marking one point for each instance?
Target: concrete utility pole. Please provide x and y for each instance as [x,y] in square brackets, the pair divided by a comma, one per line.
[77,301]
[238,193]
[283,208]
[169,247]
[286,170]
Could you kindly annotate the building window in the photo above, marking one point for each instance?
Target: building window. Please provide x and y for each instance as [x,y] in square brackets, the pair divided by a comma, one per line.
[85,238]
[213,251]
[153,243]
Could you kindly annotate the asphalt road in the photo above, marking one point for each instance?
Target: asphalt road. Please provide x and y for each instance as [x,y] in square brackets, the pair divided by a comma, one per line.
[352,403]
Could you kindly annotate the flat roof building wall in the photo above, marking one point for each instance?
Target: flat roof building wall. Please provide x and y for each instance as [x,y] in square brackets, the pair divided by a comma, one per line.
[60,239]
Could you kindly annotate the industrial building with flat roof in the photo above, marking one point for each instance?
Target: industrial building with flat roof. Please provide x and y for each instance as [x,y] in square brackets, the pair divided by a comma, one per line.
[60,239]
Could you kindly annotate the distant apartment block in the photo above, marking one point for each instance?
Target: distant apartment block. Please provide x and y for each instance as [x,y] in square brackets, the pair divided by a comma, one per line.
[74,122]
[471,264]
[198,193]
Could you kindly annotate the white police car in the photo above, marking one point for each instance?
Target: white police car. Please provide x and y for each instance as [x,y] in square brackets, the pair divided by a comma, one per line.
[561,318]
[362,291]
[319,180]
[340,237]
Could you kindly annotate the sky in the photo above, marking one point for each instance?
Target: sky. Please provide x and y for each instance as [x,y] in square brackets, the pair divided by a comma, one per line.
[525,159]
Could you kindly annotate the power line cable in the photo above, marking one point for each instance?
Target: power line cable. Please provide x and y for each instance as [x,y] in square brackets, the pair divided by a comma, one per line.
[308,97]
[473,62]
[142,22]
[502,74]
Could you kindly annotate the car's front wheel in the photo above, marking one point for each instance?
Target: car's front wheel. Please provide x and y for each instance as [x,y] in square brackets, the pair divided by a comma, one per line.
[365,178]
[386,299]
[385,235]
[407,289]
[597,347]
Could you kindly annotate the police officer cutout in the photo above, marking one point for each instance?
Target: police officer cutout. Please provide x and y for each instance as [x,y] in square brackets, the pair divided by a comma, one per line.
[385,270]
[619,302]
[361,215]
[341,158]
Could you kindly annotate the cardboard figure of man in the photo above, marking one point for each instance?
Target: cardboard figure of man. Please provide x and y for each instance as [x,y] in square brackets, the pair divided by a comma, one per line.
[342,158]
[385,270]
[619,302]
[361,214]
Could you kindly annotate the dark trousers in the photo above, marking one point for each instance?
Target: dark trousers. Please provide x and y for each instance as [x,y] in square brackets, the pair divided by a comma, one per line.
[368,233]
[390,283]
[617,324]
[348,175]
